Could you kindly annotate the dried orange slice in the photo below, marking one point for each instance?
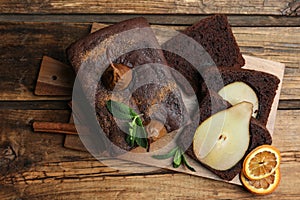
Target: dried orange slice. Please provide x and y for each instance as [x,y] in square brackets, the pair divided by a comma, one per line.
[261,162]
[262,186]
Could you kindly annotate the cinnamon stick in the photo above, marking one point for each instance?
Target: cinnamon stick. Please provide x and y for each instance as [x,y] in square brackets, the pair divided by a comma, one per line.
[54,127]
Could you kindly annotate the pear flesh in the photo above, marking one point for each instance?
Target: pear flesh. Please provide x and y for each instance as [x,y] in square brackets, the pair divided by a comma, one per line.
[222,140]
[237,92]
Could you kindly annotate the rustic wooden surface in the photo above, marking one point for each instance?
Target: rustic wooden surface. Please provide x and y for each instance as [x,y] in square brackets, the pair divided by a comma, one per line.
[270,7]
[37,166]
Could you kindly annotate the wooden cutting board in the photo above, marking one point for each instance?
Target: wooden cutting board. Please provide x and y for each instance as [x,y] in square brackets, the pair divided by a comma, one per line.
[55,78]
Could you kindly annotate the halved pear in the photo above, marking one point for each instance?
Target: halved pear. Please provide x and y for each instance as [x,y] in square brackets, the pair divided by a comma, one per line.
[237,92]
[222,140]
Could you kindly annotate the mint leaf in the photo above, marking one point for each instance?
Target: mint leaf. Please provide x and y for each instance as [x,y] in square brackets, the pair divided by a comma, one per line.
[141,137]
[166,156]
[177,158]
[185,162]
[119,110]
[143,142]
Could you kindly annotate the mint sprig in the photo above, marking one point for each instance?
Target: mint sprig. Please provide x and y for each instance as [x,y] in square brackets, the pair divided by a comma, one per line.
[178,158]
[137,134]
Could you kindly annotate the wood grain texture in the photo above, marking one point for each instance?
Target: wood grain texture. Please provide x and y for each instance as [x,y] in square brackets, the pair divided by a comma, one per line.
[158,19]
[35,105]
[280,44]
[55,78]
[289,105]
[270,7]
[37,166]
[41,168]
[272,43]
[22,48]
[54,127]
[175,186]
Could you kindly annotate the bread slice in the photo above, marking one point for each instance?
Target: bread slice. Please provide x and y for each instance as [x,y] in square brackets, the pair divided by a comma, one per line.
[154,100]
[264,85]
[214,34]
[259,135]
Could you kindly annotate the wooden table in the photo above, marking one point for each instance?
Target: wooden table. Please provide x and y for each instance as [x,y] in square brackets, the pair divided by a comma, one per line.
[37,166]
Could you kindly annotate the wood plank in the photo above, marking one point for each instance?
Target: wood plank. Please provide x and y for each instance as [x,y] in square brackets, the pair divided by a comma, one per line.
[49,171]
[23,118]
[255,7]
[34,105]
[175,186]
[158,19]
[292,87]
[289,104]
[18,81]
[272,43]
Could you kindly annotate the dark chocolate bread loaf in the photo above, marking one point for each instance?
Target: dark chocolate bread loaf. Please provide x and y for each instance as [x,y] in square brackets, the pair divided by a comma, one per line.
[264,85]
[152,91]
[215,36]
[259,135]
[79,51]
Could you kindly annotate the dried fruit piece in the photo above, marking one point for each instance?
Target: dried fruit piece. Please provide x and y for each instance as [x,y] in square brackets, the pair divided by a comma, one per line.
[155,130]
[117,77]
[262,186]
[261,162]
